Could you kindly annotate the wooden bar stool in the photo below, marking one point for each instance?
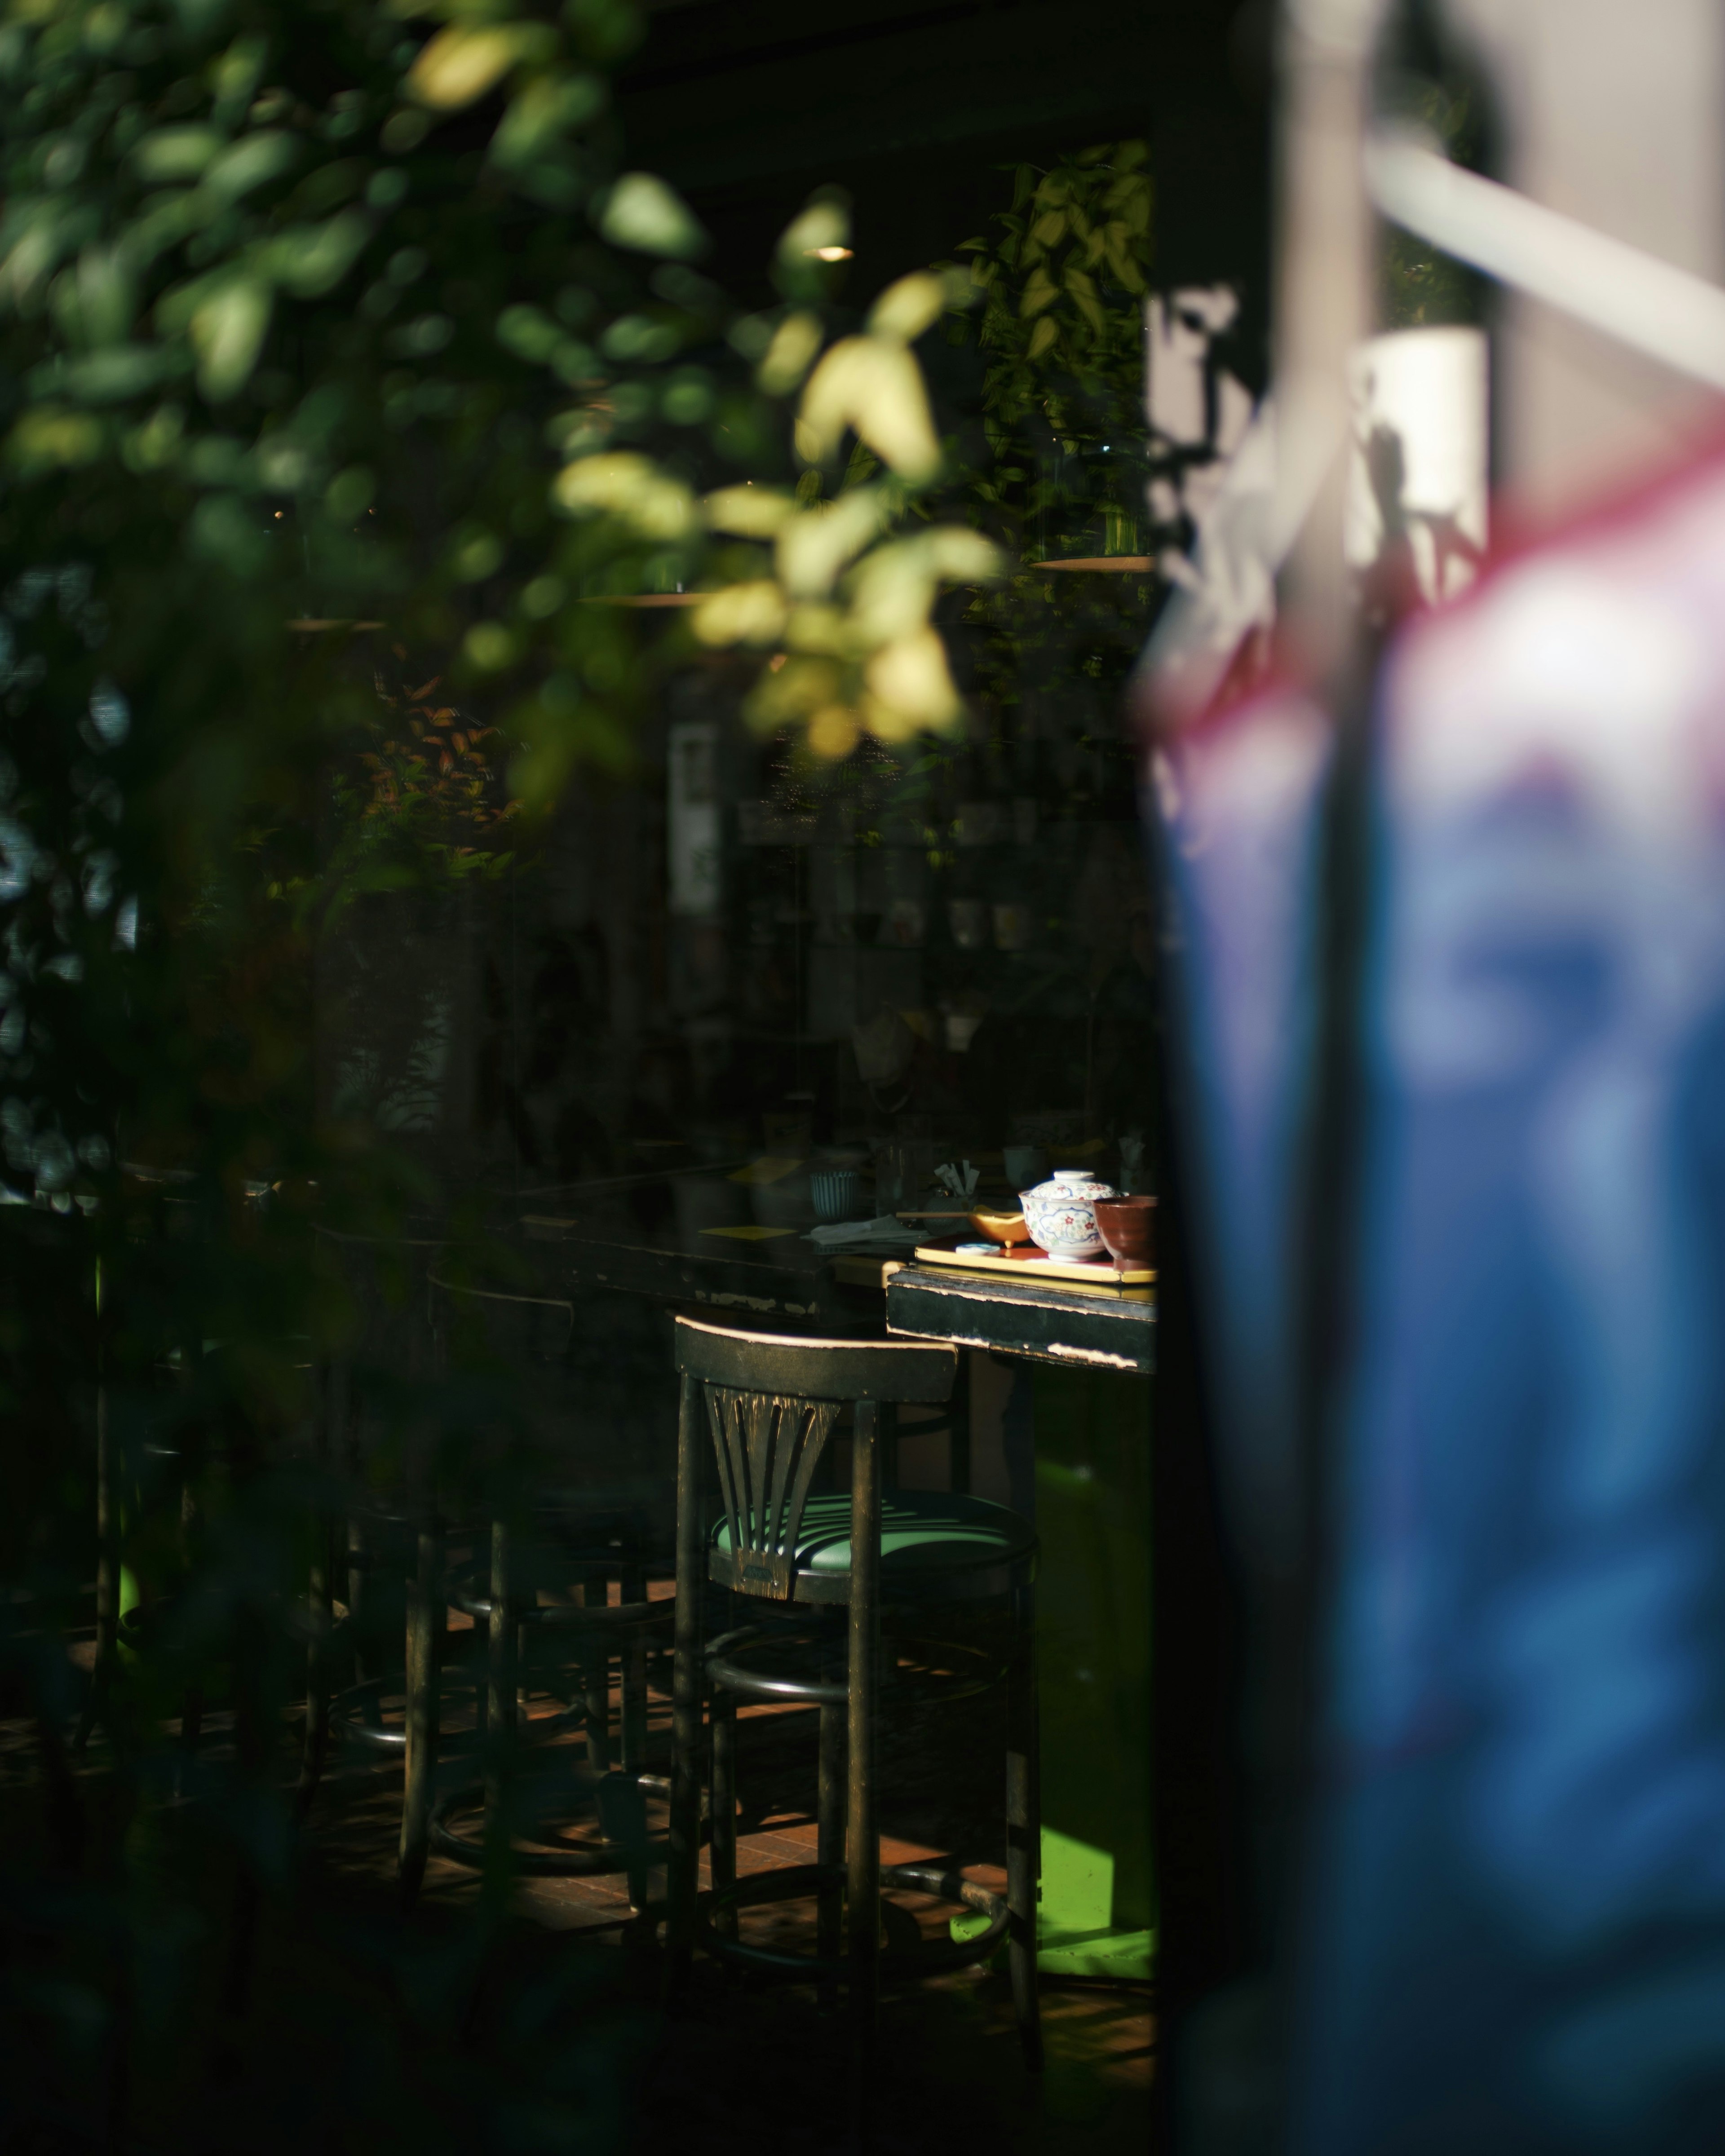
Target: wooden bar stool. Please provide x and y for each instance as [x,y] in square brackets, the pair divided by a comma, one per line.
[466,1489]
[560,1527]
[770,1405]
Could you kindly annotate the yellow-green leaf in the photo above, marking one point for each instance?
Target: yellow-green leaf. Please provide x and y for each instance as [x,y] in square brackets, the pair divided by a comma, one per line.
[629,487]
[825,222]
[799,686]
[790,353]
[816,543]
[642,212]
[462,61]
[228,331]
[50,436]
[873,385]
[754,512]
[752,613]
[252,161]
[907,307]
[1084,298]
[910,678]
[311,259]
[542,113]
[174,153]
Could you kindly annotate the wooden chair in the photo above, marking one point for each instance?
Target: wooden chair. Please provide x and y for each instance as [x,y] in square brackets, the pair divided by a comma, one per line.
[770,1406]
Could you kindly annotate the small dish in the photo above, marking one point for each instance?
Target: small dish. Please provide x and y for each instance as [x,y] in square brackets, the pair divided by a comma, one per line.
[1000,1226]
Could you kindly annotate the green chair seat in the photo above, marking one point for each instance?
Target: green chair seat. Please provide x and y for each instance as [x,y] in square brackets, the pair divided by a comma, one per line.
[921,1530]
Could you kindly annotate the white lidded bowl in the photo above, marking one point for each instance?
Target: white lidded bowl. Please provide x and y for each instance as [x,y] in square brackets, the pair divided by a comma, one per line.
[1060,1214]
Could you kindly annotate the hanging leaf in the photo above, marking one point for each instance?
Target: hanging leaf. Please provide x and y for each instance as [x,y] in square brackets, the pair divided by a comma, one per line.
[642,212]
[542,114]
[228,331]
[630,488]
[1040,292]
[873,386]
[1084,298]
[796,340]
[462,63]
[908,307]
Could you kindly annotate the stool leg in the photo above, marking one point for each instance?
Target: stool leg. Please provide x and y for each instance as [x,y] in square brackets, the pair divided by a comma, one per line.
[684,1869]
[829,1837]
[498,1735]
[861,1836]
[359,1663]
[424,1624]
[722,1810]
[634,1732]
[319,1591]
[596,1677]
[107,1577]
[1023,1824]
[958,1428]
[315,1747]
[192,1706]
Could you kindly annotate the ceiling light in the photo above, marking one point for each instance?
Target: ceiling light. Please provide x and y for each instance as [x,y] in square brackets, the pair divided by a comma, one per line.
[829,253]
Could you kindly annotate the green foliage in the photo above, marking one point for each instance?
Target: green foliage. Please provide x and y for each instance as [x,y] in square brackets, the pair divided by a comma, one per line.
[301,312]
[419,799]
[844,602]
[1063,280]
[1062,330]
[304,309]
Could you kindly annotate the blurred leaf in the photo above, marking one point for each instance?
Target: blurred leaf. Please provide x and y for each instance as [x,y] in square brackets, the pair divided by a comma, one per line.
[228,330]
[741,613]
[911,686]
[789,694]
[630,488]
[49,437]
[542,113]
[251,162]
[174,153]
[907,308]
[311,259]
[462,61]
[816,543]
[825,222]
[755,512]
[788,357]
[873,386]
[641,212]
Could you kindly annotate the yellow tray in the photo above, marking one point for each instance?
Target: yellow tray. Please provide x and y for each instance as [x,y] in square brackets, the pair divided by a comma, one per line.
[1092,1276]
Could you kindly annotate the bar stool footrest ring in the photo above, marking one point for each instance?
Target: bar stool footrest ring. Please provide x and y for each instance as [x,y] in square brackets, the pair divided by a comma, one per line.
[793,1883]
[469,1848]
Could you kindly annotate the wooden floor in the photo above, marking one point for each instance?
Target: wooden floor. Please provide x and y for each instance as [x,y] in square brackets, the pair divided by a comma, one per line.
[949,2074]
[537,2022]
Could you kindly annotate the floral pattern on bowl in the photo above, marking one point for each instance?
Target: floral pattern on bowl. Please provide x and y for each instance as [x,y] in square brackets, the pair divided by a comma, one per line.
[1060,1216]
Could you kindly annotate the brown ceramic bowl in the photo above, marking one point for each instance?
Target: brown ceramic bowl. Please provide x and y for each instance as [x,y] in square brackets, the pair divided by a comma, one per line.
[1127,1225]
[1002,1227]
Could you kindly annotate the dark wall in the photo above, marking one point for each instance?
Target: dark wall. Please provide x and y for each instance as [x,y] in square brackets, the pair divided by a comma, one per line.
[748,105]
